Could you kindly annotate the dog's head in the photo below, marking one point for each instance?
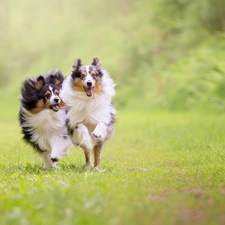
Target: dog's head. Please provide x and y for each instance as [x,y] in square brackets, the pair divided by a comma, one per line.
[87,78]
[41,93]
[48,96]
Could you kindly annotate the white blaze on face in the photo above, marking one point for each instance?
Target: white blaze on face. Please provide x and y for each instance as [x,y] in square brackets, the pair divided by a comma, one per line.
[88,83]
[88,78]
[54,100]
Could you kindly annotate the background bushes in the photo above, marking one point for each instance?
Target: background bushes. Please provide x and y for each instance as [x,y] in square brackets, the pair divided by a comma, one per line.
[164,54]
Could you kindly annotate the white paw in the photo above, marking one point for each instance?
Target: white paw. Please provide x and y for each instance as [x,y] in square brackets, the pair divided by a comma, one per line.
[88,166]
[54,158]
[49,165]
[97,169]
[97,135]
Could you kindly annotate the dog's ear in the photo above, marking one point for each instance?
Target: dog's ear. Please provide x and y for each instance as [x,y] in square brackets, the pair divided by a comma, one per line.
[96,62]
[56,79]
[77,63]
[51,79]
[40,82]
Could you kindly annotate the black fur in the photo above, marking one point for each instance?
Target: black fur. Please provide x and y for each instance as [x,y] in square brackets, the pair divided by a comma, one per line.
[55,78]
[95,66]
[70,129]
[75,72]
[26,131]
[32,91]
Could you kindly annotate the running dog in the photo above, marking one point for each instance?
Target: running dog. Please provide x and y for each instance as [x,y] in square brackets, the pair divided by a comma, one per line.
[43,117]
[88,92]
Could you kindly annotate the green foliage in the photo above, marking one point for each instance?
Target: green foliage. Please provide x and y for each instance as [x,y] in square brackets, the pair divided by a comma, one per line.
[197,81]
[138,42]
[171,33]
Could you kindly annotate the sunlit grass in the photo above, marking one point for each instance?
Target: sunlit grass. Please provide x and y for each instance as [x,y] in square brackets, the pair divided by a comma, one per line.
[159,169]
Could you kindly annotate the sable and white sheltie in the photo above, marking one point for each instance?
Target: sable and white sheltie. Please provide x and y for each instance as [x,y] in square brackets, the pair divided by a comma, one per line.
[43,117]
[87,92]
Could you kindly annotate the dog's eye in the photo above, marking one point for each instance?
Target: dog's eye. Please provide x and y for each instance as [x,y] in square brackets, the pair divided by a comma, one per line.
[93,74]
[56,92]
[47,95]
[82,75]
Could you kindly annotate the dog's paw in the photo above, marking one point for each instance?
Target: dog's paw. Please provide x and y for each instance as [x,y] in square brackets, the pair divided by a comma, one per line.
[97,135]
[49,166]
[96,168]
[88,166]
[54,158]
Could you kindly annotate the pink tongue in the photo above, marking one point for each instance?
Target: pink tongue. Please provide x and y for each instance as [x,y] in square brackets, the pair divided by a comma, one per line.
[89,91]
[55,107]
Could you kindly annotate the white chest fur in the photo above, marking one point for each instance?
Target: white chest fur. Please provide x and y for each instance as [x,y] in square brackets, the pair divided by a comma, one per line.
[45,127]
[89,110]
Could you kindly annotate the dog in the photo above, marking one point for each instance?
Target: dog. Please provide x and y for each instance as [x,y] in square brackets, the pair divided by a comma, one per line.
[43,117]
[88,92]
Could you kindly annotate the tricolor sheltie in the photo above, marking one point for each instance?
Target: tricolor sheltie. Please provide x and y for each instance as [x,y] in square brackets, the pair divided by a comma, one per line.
[87,92]
[43,117]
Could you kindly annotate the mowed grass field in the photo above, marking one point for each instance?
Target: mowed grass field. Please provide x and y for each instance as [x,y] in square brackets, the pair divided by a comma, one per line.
[159,168]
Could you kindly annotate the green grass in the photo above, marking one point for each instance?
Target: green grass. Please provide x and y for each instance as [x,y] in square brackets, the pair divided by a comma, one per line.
[159,169]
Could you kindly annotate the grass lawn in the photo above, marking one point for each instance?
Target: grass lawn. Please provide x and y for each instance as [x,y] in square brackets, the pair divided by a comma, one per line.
[159,169]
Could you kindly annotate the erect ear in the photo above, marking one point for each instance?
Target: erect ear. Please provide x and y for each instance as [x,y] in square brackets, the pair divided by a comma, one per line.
[77,63]
[96,62]
[40,82]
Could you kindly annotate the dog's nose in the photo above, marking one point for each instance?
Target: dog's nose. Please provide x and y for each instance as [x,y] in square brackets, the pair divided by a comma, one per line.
[56,100]
[89,84]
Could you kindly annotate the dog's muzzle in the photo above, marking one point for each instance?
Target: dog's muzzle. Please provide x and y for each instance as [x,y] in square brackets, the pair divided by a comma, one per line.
[55,107]
[89,89]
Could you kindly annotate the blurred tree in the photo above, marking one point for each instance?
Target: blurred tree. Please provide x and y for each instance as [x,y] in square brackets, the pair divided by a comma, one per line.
[138,41]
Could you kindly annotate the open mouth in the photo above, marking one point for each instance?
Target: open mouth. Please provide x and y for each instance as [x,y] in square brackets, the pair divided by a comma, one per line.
[55,107]
[89,91]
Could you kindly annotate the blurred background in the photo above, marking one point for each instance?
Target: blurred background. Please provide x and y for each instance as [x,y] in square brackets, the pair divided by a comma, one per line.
[163,54]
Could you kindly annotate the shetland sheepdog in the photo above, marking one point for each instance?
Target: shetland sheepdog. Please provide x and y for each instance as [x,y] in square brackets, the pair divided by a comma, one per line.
[87,92]
[43,118]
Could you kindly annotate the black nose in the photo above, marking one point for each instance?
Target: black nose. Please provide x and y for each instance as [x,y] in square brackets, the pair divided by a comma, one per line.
[56,100]
[89,84]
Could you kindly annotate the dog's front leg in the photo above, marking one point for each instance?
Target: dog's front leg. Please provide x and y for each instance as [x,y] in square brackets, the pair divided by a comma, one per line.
[88,163]
[97,155]
[60,146]
[100,131]
[82,137]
